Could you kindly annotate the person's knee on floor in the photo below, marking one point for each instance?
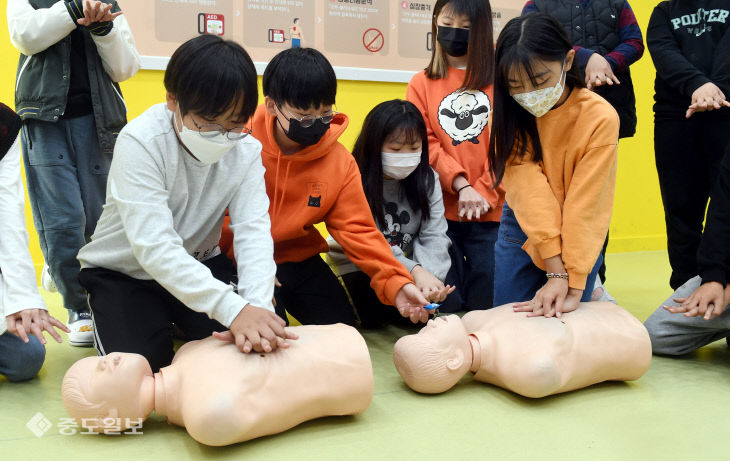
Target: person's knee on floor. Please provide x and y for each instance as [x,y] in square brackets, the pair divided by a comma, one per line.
[689,319]
[23,314]
[25,361]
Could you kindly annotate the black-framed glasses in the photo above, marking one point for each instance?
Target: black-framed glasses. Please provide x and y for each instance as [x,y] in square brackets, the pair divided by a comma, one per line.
[307,121]
[210,130]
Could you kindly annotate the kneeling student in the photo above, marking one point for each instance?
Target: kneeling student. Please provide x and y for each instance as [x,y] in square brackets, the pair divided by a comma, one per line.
[703,299]
[154,259]
[311,178]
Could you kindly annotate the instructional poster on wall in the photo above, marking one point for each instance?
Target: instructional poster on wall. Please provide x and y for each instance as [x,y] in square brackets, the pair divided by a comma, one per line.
[384,40]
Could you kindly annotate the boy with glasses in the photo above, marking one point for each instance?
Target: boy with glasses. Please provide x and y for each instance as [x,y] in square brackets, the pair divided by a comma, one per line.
[311,178]
[154,259]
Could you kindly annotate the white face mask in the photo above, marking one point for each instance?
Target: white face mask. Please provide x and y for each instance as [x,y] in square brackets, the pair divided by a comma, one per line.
[539,102]
[399,166]
[206,150]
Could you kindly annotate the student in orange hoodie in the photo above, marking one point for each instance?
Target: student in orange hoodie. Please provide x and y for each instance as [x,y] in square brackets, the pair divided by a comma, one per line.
[312,178]
[454,94]
[554,144]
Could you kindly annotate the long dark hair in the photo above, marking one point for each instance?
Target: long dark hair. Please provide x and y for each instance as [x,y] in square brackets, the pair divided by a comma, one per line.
[523,40]
[480,58]
[387,118]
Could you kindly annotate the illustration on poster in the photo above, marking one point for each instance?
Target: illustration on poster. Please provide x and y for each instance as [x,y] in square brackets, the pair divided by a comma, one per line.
[295,32]
[213,24]
[295,35]
[384,40]
[373,40]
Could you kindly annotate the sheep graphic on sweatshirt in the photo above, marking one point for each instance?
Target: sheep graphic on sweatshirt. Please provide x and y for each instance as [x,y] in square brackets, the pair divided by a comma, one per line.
[463,115]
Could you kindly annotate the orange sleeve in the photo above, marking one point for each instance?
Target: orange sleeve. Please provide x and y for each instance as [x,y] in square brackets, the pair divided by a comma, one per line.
[352,226]
[445,165]
[484,184]
[588,204]
[226,241]
[537,210]
[485,187]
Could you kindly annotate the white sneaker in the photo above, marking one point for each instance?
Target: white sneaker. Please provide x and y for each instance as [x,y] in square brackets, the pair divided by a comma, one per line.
[46,280]
[82,328]
[600,293]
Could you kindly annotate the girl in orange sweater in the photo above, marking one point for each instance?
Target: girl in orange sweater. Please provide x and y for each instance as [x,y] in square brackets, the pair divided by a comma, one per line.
[454,94]
[554,145]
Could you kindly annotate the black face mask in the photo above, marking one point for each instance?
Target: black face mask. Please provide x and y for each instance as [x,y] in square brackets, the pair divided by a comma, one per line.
[305,136]
[454,40]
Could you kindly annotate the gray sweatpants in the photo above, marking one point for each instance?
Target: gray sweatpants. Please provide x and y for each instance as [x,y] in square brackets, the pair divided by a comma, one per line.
[675,334]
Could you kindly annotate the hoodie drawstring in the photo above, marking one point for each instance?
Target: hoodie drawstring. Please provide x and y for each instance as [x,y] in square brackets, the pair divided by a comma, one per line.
[274,208]
[283,192]
[276,204]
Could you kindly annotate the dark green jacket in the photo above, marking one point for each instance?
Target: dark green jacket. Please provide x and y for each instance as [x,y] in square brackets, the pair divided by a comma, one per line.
[43,78]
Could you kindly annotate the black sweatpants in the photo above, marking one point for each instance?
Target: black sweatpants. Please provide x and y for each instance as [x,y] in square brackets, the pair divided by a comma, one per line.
[372,313]
[311,293]
[132,315]
[688,154]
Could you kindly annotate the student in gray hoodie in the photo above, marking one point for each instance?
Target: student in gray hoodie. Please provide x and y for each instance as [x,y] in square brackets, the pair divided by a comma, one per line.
[406,201]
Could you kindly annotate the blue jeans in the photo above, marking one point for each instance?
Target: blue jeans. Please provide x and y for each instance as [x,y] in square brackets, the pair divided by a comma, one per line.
[472,265]
[20,361]
[66,175]
[516,277]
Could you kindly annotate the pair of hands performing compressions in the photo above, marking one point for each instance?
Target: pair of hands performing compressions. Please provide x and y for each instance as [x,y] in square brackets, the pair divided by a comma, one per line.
[261,330]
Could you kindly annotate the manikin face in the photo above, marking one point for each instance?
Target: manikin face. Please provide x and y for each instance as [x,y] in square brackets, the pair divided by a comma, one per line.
[116,376]
[435,358]
[113,382]
[442,332]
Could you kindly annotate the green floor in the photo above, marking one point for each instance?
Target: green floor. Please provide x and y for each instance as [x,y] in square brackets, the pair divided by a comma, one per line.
[678,410]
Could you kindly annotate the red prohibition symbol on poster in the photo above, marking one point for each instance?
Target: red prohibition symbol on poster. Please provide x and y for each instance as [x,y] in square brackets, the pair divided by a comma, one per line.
[373,40]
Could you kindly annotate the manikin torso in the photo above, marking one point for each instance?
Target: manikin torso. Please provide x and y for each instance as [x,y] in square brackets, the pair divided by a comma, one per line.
[222,396]
[542,356]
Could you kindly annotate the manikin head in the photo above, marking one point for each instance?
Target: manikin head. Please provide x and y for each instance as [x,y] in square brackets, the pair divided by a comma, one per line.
[436,358]
[116,391]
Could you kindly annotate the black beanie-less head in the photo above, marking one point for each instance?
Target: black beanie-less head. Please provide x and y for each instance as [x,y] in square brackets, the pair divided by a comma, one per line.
[9,128]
